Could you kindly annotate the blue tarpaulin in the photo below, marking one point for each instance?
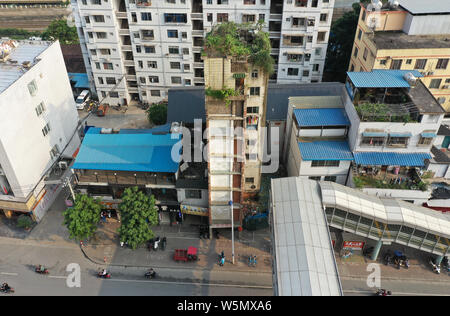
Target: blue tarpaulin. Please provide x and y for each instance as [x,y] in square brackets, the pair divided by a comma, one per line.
[81,80]
[391,159]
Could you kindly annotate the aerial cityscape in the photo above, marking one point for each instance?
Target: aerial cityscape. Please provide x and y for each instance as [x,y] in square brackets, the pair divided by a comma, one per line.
[204,149]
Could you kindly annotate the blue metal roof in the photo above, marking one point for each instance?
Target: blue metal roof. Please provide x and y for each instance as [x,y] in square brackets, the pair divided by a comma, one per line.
[379,78]
[325,150]
[127,152]
[81,80]
[391,159]
[321,117]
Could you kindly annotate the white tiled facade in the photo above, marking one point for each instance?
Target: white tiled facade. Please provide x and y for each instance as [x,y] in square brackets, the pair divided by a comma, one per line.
[155,45]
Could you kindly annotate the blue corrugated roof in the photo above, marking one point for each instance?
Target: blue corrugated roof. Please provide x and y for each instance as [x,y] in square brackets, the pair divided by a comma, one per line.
[381,78]
[127,152]
[391,159]
[325,150]
[321,117]
[81,80]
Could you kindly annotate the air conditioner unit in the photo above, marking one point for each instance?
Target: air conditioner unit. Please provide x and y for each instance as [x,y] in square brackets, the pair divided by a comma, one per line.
[62,165]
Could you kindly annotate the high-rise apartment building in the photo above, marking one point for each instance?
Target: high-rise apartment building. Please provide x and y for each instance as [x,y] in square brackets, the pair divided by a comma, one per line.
[137,49]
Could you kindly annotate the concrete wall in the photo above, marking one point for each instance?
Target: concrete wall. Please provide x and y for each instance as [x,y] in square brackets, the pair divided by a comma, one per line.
[440,170]
[25,154]
[202,202]
[427,24]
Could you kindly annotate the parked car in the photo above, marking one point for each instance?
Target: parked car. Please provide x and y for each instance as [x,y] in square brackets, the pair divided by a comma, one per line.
[82,99]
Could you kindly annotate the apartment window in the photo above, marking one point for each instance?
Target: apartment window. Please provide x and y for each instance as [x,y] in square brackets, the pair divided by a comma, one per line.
[149,49]
[146,16]
[316,178]
[325,163]
[46,129]
[297,22]
[172,33]
[316,67]
[175,18]
[147,35]
[155,93]
[301,3]
[185,51]
[383,62]
[330,178]
[84,2]
[174,50]
[249,1]
[321,36]
[108,66]
[140,64]
[103,94]
[294,57]
[396,63]
[435,83]
[254,90]
[86,19]
[114,94]
[193,194]
[309,39]
[209,17]
[248,18]
[208,1]
[134,17]
[324,17]
[97,65]
[365,53]
[398,141]
[40,109]
[138,48]
[101,35]
[442,64]
[355,53]
[441,100]
[96,2]
[187,67]
[222,1]
[152,64]
[100,80]
[425,141]
[262,17]
[176,80]
[153,79]
[175,65]
[110,80]
[255,74]
[93,52]
[359,34]
[372,141]
[305,73]
[32,87]
[54,152]
[314,3]
[142,80]
[249,180]
[105,51]
[99,18]
[420,64]
[307,57]
[292,71]
[253,109]
[222,17]
[408,61]
[184,35]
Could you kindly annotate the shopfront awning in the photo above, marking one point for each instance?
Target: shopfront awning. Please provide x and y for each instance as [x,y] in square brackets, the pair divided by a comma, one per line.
[374,134]
[428,135]
[391,159]
[193,210]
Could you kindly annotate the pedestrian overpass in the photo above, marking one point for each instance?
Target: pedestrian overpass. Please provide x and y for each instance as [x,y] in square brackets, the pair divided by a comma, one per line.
[386,220]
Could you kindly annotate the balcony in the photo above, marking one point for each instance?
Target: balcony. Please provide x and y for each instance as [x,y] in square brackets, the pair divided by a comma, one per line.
[197,16]
[128,63]
[275,17]
[127,48]
[124,32]
[198,65]
[121,15]
[126,178]
[198,32]
[199,80]
[144,3]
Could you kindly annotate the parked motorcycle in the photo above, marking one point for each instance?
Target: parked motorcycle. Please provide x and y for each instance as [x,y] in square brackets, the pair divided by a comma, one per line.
[150,274]
[104,274]
[156,243]
[383,292]
[387,258]
[163,243]
[41,269]
[436,268]
[5,288]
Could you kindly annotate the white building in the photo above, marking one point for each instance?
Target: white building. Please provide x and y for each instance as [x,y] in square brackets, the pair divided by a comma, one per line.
[137,49]
[38,118]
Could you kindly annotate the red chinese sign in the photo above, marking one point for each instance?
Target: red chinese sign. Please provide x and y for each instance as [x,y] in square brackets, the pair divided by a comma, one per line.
[356,245]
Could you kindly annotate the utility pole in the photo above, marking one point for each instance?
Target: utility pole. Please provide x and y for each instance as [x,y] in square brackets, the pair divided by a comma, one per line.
[232,232]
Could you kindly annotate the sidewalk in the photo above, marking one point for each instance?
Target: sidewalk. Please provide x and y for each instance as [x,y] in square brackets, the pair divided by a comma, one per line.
[181,237]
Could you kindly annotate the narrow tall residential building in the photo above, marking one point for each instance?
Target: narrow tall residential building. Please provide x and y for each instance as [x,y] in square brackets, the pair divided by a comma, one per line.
[39,124]
[236,95]
[406,35]
[138,49]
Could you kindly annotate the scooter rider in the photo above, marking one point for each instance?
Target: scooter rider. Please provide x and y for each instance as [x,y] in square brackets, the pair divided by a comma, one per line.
[6,287]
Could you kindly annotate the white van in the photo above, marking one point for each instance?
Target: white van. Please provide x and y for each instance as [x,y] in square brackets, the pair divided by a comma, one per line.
[82,99]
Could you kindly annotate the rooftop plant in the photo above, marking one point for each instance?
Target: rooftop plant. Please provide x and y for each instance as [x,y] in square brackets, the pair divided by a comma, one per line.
[222,94]
[380,112]
[242,41]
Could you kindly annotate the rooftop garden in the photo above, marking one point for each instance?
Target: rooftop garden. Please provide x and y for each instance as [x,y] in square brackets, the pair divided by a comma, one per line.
[242,41]
[409,180]
[381,112]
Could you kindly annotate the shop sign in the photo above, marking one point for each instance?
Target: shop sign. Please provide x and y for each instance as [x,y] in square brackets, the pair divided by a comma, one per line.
[194,210]
[355,245]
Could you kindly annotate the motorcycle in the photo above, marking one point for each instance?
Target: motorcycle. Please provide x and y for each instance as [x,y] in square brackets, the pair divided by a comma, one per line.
[436,268]
[387,259]
[221,259]
[163,243]
[383,292]
[104,276]
[150,274]
[6,289]
[41,270]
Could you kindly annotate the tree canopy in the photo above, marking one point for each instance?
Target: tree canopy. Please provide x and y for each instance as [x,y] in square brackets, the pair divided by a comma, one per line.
[59,30]
[157,113]
[340,44]
[138,213]
[82,219]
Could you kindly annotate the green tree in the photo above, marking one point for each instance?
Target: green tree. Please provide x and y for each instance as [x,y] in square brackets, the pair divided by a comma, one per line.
[157,113]
[340,44]
[59,30]
[138,213]
[82,219]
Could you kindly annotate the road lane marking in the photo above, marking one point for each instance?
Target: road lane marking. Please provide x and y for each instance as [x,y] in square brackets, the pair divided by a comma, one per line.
[57,277]
[192,283]
[6,273]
